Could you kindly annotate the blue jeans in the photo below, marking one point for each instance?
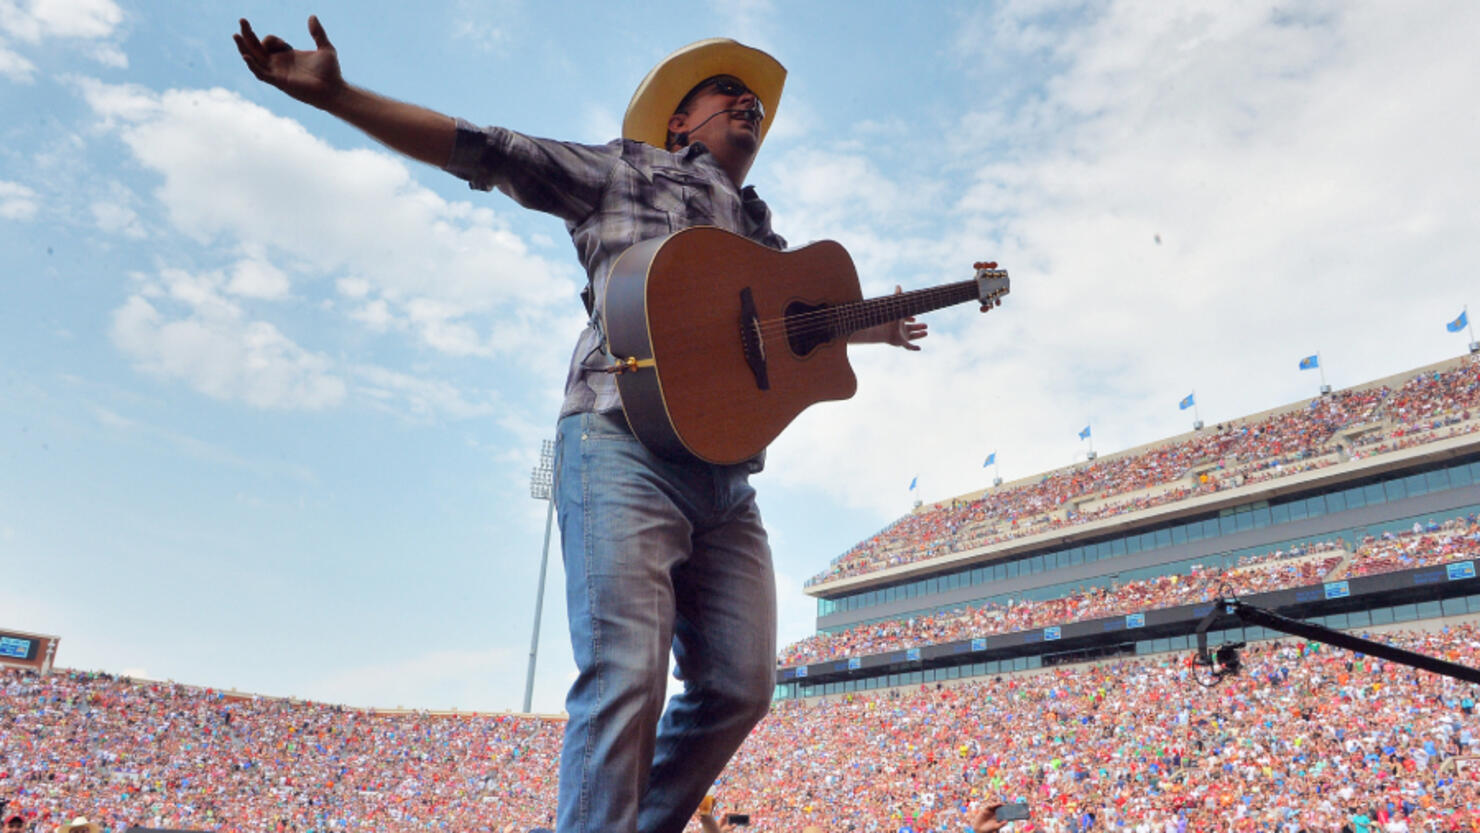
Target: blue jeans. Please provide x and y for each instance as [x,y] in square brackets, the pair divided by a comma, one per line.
[660,556]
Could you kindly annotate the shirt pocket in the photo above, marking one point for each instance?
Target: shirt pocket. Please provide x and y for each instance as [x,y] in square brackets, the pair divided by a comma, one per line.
[687,197]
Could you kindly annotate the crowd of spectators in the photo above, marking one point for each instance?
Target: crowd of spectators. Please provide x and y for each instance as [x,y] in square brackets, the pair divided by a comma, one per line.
[1305,738]
[161,755]
[1225,456]
[1427,543]
[1275,570]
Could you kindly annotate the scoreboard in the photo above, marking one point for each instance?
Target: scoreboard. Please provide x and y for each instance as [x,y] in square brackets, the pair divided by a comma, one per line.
[27,650]
[16,647]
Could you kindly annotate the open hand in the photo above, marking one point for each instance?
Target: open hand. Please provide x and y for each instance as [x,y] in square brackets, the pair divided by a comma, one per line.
[311,76]
[906,330]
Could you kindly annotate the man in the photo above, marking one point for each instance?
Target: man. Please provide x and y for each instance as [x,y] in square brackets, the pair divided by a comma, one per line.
[660,555]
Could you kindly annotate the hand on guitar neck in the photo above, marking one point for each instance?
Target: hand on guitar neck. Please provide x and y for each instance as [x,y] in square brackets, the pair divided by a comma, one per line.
[901,333]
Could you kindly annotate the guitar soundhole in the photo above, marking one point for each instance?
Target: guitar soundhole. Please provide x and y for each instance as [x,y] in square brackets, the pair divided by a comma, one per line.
[807,327]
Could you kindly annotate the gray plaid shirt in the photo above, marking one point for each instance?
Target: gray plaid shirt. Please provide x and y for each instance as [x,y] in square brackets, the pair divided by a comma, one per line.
[610,196]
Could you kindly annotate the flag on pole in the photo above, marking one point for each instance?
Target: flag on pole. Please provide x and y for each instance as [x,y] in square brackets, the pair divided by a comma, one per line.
[1459,323]
[1185,403]
[991,458]
[1084,435]
[913,481]
[1309,362]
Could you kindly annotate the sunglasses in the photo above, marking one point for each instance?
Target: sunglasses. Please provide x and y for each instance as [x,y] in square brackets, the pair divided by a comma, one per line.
[724,85]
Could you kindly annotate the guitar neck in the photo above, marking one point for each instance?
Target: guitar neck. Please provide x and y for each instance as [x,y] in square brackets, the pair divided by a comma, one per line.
[850,318]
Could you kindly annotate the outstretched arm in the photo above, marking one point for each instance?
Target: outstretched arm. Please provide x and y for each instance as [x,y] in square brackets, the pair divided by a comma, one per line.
[313,77]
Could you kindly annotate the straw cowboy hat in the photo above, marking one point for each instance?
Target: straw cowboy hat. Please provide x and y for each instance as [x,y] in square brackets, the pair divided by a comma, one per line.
[81,825]
[664,88]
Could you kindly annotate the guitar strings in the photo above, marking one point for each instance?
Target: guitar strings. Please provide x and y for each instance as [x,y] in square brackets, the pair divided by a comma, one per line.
[826,319]
[856,309]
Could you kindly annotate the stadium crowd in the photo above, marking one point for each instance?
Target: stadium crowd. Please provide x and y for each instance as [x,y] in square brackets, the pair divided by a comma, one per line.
[1253,574]
[1426,544]
[1305,739]
[1361,422]
[1430,543]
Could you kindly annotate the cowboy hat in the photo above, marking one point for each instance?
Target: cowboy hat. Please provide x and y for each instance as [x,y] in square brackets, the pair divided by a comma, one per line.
[665,86]
[81,825]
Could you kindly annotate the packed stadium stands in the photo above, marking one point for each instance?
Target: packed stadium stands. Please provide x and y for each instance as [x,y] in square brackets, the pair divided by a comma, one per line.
[1424,545]
[1365,420]
[1304,739]
[1307,738]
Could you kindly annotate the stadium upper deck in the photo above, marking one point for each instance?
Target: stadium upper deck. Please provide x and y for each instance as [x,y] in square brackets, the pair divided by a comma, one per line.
[1284,505]
[1190,470]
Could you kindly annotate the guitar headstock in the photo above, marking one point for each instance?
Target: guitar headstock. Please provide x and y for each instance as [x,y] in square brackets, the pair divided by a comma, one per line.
[991,284]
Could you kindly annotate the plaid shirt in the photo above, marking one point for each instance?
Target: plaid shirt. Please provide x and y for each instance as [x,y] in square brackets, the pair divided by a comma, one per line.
[610,196]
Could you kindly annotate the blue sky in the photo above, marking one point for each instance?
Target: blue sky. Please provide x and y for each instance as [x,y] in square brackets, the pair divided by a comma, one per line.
[270,396]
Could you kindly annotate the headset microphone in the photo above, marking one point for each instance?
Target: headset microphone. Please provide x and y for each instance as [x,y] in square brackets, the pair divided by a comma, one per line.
[754,113]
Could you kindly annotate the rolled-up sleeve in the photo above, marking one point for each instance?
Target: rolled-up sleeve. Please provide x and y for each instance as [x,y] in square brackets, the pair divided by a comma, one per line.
[561,178]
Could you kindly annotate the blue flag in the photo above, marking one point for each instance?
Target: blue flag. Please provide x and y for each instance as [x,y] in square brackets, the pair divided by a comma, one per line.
[1459,323]
[1185,403]
[1084,435]
[913,481]
[1310,361]
[991,458]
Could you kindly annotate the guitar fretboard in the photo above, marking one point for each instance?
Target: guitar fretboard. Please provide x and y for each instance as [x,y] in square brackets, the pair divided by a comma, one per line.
[845,319]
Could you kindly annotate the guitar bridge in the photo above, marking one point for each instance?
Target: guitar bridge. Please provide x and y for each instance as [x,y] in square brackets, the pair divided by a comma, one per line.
[752,341]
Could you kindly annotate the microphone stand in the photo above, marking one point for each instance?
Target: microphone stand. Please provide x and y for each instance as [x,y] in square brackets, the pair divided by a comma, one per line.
[1226,661]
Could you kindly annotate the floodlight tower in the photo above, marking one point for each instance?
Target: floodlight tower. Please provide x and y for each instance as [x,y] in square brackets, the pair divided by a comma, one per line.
[541,482]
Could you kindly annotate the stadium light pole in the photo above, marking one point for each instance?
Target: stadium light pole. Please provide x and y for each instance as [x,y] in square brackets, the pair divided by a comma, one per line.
[541,482]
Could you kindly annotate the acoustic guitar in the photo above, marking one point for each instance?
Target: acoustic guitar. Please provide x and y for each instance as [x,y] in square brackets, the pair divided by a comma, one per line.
[718,342]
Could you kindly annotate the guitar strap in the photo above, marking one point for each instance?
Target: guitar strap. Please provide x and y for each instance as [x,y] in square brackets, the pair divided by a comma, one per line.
[588,298]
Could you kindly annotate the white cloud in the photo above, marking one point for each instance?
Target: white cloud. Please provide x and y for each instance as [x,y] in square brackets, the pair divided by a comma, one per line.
[14,66]
[375,315]
[86,19]
[253,278]
[419,396]
[488,25]
[117,218]
[109,55]
[17,202]
[235,174]
[33,21]
[353,287]
[1310,182]
[217,349]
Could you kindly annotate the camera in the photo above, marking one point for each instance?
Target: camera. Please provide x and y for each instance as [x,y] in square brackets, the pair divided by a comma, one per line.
[737,819]
[1013,812]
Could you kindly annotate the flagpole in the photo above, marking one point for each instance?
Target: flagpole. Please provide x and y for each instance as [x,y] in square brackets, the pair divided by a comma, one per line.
[1474,345]
[1321,366]
[1196,417]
